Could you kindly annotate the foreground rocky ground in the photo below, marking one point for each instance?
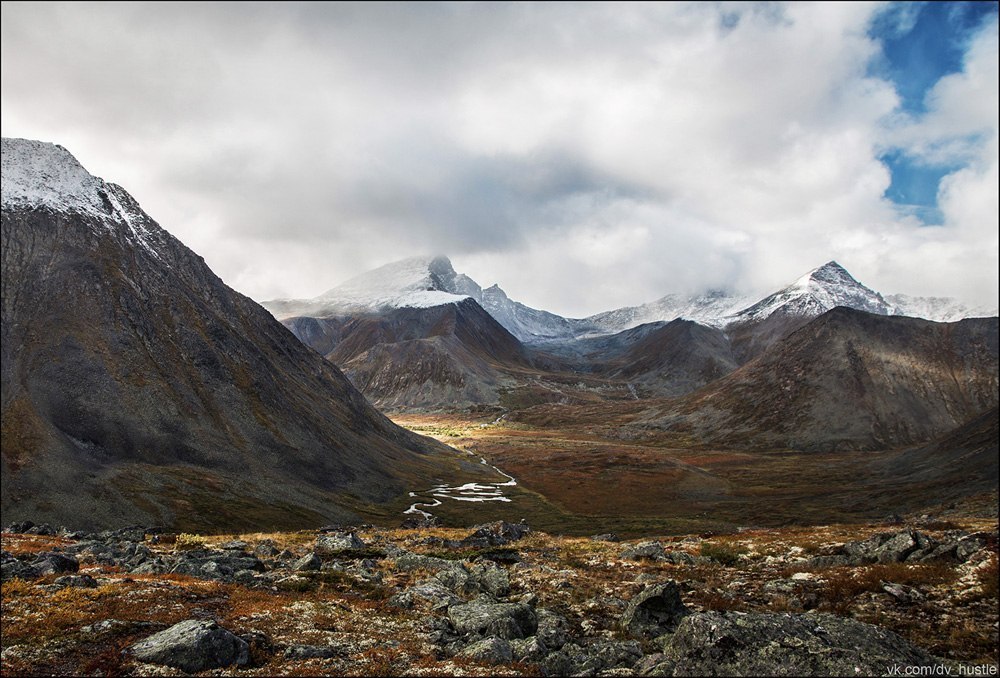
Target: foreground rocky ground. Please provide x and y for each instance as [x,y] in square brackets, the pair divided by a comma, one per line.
[500,600]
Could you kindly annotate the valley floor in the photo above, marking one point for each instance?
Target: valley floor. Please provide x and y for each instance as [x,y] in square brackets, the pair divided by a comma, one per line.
[577,476]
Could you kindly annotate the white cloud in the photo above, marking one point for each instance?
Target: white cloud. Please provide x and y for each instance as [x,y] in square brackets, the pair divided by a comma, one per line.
[583,156]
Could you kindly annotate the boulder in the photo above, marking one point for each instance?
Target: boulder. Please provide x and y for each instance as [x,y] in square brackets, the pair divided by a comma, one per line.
[496,534]
[429,591]
[754,644]
[193,645]
[491,579]
[486,618]
[334,543]
[647,550]
[310,561]
[54,563]
[84,581]
[655,611]
[489,651]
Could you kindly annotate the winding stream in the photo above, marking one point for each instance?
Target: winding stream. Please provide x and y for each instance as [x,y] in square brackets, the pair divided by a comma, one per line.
[468,492]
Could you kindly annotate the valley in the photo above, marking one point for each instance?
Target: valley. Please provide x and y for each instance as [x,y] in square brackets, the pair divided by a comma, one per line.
[577,477]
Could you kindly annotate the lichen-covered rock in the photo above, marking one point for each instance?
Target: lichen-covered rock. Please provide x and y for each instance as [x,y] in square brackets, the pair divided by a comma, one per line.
[490,651]
[334,543]
[429,591]
[310,561]
[654,611]
[647,550]
[496,534]
[487,618]
[193,645]
[754,644]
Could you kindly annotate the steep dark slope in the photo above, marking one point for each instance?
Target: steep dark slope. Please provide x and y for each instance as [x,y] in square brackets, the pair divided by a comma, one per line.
[961,462]
[849,380]
[452,355]
[137,387]
[672,359]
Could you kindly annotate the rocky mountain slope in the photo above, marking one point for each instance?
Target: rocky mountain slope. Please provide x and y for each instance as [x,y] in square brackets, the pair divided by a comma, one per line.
[137,386]
[850,380]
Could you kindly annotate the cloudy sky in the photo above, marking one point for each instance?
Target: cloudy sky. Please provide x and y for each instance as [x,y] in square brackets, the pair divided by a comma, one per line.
[583,156]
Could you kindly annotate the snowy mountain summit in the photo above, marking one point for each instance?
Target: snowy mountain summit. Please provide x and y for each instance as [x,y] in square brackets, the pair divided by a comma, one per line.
[815,293]
[40,175]
[417,282]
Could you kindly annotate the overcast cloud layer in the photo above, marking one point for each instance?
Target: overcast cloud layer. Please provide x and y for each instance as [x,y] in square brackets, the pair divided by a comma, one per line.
[583,156]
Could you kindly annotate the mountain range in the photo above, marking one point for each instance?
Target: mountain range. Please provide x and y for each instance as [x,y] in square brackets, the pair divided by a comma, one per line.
[670,347]
[421,282]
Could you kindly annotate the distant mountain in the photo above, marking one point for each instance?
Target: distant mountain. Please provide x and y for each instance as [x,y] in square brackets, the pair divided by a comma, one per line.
[939,309]
[711,308]
[776,316]
[418,282]
[454,354]
[814,294]
[849,380]
[528,324]
[138,388]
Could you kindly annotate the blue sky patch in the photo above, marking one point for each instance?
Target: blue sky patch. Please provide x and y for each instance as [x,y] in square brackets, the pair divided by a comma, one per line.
[921,43]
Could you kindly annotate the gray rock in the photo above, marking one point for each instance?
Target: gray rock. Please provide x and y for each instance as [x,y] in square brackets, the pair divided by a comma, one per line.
[682,558]
[553,629]
[312,652]
[889,548]
[429,591]
[84,581]
[265,549]
[235,545]
[490,651]
[193,645]
[605,655]
[828,561]
[310,561]
[529,649]
[487,618]
[54,563]
[904,594]
[655,611]
[13,568]
[491,579]
[334,543]
[496,534]
[219,565]
[20,527]
[752,644]
[647,550]
[457,580]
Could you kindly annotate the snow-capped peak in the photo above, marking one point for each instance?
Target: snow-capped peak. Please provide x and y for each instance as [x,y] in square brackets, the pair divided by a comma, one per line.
[416,274]
[815,293]
[40,175]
